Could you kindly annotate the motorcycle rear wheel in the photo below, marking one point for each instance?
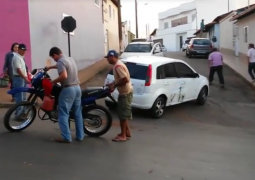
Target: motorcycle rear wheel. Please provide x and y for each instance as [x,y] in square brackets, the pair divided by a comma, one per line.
[85,113]
[27,123]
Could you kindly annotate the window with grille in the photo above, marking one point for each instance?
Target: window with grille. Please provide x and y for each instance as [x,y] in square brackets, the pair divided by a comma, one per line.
[245,34]
[166,25]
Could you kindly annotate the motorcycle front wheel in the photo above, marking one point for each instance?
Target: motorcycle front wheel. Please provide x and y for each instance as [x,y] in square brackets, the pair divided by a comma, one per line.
[94,124]
[24,115]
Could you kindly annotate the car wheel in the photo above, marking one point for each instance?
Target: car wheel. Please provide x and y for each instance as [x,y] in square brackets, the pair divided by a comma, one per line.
[110,105]
[158,107]
[202,96]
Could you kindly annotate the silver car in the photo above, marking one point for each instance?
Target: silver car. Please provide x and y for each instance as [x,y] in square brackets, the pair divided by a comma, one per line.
[199,47]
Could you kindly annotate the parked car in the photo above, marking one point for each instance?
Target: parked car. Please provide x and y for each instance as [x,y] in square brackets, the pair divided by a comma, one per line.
[164,49]
[142,49]
[185,44]
[199,46]
[159,82]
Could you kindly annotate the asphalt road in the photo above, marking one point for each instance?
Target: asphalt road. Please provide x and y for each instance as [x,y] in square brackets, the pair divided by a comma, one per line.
[212,142]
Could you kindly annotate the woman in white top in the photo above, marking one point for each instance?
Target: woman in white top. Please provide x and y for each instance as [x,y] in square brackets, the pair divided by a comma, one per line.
[251,61]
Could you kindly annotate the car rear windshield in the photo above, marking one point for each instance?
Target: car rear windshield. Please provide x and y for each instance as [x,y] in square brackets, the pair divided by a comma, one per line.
[136,71]
[201,42]
[136,48]
[138,40]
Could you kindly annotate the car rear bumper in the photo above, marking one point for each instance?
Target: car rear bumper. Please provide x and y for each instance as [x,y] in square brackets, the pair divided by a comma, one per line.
[200,52]
[144,101]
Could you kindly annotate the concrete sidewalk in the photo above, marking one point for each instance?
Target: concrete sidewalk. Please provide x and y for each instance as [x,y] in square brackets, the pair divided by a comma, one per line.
[239,65]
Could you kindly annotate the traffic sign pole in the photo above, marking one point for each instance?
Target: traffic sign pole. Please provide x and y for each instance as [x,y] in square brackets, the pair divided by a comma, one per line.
[69,45]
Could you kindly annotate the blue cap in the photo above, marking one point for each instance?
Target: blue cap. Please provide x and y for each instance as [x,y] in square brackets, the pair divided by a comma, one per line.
[112,53]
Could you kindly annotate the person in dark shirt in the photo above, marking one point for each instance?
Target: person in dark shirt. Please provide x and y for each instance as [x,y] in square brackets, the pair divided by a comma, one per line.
[7,68]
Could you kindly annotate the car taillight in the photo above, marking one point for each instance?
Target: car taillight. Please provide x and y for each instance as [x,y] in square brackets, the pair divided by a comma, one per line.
[192,46]
[148,76]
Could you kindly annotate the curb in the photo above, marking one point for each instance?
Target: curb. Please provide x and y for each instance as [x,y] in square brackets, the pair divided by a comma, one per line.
[241,76]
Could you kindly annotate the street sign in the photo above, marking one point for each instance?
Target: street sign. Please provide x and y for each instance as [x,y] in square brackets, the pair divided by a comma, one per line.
[68,24]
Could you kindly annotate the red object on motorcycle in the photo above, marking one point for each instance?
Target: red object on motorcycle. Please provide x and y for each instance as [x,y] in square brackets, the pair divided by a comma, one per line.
[48,103]
[47,86]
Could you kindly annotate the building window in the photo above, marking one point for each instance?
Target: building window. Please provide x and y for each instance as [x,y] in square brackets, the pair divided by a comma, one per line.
[63,16]
[193,17]
[245,34]
[166,25]
[113,14]
[97,2]
[179,21]
[110,11]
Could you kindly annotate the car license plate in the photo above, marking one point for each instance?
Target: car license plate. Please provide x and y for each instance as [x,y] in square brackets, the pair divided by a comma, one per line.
[201,51]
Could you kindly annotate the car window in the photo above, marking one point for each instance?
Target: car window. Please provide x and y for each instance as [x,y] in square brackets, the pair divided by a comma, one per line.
[160,72]
[202,42]
[170,71]
[182,69]
[138,48]
[136,71]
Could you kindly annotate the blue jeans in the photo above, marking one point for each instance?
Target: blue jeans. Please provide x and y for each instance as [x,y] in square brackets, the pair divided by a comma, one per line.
[70,98]
[19,82]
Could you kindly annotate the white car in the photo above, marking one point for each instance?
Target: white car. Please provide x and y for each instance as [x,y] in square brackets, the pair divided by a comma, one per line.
[185,44]
[159,82]
[142,49]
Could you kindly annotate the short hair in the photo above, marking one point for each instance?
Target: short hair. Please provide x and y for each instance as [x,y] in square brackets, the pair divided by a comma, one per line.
[55,50]
[13,45]
[251,45]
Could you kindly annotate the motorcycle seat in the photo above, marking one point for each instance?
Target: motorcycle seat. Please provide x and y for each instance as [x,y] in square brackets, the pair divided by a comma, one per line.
[91,90]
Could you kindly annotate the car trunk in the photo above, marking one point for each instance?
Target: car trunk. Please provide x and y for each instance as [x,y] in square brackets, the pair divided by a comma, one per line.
[202,44]
[138,74]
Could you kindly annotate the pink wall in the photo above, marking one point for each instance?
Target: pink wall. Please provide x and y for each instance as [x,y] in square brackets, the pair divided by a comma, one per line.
[14,27]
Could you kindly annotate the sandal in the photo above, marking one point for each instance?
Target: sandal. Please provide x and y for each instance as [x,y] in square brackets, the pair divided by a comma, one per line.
[119,139]
[128,136]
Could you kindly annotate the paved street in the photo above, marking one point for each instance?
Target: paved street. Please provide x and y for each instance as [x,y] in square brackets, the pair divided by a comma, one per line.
[212,142]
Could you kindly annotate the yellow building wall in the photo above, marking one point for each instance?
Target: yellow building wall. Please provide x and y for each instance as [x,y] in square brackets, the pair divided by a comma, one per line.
[110,12]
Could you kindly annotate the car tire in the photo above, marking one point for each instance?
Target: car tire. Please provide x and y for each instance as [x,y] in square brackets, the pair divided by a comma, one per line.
[158,107]
[189,55]
[202,96]
[110,105]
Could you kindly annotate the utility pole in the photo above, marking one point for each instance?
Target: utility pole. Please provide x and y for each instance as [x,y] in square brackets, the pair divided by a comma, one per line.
[248,3]
[228,5]
[136,21]
[120,24]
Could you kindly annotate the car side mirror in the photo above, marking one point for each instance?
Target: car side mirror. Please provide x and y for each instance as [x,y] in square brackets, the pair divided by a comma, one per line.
[157,50]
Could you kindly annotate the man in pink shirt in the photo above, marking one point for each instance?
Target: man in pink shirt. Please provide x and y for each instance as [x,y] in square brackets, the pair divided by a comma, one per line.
[215,65]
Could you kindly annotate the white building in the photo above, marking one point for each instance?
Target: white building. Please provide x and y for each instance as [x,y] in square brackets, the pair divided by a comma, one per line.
[175,25]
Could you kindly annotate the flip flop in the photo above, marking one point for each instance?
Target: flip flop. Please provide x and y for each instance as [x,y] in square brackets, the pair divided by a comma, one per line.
[118,139]
[128,136]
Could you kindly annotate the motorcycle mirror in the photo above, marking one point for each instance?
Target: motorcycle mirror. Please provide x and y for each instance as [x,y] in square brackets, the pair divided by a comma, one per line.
[34,71]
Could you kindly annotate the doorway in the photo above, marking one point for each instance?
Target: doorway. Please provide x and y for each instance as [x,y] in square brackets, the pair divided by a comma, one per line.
[181,41]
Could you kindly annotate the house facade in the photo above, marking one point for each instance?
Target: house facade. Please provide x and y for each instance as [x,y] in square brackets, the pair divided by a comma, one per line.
[175,25]
[245,30]
[127,35]
[38,25]
[111,28]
